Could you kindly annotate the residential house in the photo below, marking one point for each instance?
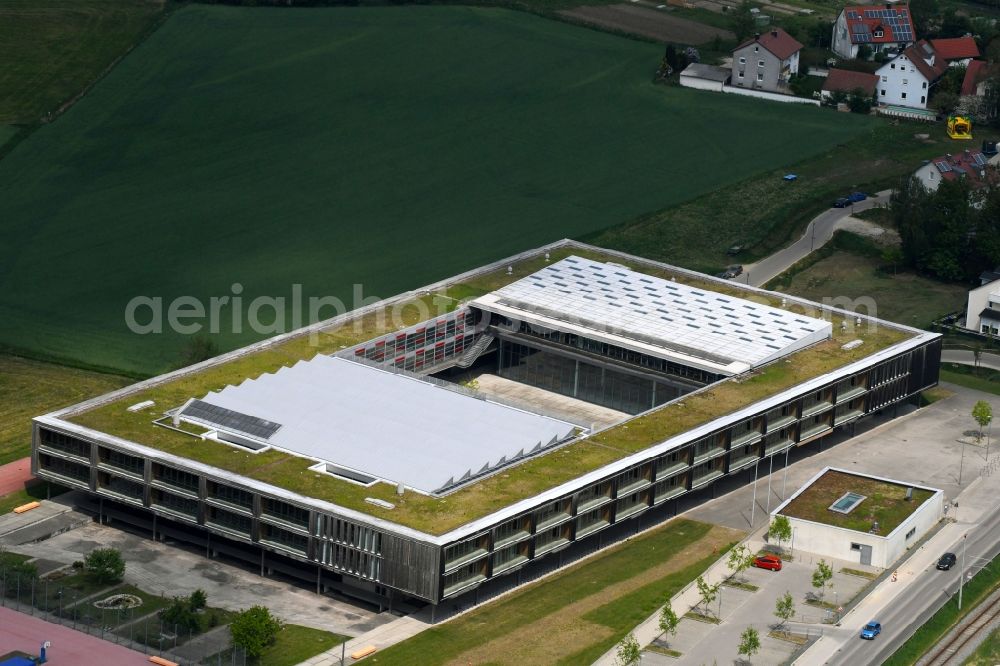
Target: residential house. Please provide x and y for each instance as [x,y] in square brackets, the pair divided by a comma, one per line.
[906,80]
[958,51]
[982,314]
[879,27]
[974,101]
[970,165]
[766,62]
[848,82]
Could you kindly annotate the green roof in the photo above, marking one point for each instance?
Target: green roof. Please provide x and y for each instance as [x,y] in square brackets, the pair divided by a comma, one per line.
[885,502]
[439,515]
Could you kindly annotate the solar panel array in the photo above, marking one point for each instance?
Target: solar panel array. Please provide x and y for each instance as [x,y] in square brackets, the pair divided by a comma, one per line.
[979,159]
[227,419]
[898,22]
[658,312]
[943,166]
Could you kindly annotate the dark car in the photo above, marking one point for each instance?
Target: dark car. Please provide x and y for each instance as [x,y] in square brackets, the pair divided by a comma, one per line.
[842,202]
[871,630]
[947,561]
[855,197]
[772,562]
[732,270]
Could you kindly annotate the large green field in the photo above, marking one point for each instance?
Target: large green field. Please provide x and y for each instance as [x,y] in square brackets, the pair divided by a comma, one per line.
[327,147]
[52,49]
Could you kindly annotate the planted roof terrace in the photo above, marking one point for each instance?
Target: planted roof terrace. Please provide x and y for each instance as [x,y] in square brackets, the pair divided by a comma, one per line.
[439,515]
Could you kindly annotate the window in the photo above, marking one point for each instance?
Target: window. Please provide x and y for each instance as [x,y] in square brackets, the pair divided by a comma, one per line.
[743,61]
[923,100]
[882,92]
[756,48]
[902,95]
[760,63]
[986,329]
[741,74]
[913,530]
[760,76]
[924,85]
[892,65]
[906,82]
[884,79]
[879,33]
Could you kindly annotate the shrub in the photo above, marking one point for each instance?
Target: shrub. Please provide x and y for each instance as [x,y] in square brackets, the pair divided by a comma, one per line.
[180,615]
[198,600]
[105,565]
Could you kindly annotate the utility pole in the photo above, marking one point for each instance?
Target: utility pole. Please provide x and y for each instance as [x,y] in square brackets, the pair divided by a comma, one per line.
[770,471]
[753,504]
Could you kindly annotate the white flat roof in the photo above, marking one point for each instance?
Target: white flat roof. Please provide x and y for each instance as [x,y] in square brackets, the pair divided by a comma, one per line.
[667,319]
[393,427]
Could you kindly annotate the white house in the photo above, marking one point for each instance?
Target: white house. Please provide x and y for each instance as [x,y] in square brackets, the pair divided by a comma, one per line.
[906,80]
[879,27]
[982,314]
[970,165]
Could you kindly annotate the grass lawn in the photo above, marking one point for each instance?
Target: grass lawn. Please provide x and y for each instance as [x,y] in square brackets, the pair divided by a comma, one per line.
[885,502]
[30,388]
[385,152]
[53,49]
[296,643]
[578,614]
[764,212]
[980,379]
[850,267]
[37,491]
[935,628]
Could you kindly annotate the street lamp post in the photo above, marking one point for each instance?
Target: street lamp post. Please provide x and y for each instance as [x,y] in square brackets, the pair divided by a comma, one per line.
[753,503]
[961,465]
[770,470]
[784,476]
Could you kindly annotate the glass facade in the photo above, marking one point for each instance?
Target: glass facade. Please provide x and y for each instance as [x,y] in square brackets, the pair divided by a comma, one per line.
[600,385]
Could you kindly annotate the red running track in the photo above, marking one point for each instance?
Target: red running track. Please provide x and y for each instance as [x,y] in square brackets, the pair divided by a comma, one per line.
[25,633]
[15,476]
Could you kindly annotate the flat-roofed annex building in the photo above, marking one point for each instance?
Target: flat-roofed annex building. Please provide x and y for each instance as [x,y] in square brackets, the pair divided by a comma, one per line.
[362,470]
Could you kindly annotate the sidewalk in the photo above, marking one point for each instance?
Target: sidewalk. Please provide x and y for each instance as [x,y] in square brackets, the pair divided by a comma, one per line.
[381,637]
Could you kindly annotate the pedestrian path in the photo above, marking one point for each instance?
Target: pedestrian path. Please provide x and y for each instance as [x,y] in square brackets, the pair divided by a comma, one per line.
[15,476]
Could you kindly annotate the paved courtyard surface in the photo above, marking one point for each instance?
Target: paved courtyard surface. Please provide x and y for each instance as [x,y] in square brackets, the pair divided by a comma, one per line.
[553,404]
[25,633]
[161,568]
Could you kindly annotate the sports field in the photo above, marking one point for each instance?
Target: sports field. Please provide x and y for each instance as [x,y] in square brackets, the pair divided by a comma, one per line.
[327,147]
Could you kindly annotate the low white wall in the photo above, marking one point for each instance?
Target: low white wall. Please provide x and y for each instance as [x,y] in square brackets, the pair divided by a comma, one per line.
[774,97]
[701,84]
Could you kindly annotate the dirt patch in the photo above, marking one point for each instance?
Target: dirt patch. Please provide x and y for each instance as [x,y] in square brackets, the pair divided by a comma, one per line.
[637,20]
[554,636]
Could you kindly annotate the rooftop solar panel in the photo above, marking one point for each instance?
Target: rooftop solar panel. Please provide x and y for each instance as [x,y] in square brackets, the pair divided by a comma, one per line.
[228,419]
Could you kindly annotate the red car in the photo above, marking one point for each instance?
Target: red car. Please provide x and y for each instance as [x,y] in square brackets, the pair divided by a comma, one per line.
[772,562]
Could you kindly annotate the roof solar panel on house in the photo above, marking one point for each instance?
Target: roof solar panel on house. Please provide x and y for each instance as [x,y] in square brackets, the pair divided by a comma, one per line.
[669,319]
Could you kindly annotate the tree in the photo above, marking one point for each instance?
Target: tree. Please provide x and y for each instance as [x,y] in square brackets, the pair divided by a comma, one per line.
[254,629]
[197,349]
[864,52]
[743,22]
[822,576]
[180,616]
[707,592]
[784,608]
[749,642]
[983,414]
[669,621]
[629,652]
[198,600]
[740,559]
[780,529]
[944,102]
[104,565]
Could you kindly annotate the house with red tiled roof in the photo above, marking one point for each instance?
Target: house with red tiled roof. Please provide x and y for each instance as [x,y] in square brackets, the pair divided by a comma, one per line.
[848,82]
[975,78]
[906,80]
[766,62]
[958,51]
[971,166]
[879,27]
[979,76]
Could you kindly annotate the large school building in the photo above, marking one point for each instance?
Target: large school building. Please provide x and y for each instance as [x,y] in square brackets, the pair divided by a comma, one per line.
[373,456]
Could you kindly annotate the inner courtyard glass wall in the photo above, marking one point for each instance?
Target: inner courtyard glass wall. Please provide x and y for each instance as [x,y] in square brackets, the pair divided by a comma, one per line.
[597,383]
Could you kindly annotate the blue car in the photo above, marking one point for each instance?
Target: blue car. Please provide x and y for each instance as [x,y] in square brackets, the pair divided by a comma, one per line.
[871,630]
[855,197]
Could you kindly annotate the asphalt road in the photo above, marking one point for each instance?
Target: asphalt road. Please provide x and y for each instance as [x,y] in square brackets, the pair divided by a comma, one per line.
[817,234]
[965,357]
[921,599]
